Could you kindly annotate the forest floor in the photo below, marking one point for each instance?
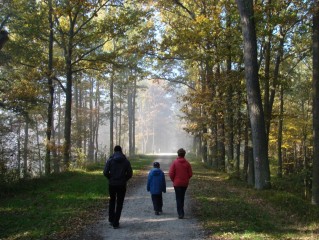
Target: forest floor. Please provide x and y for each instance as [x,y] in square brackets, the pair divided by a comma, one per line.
[215,208]
[138,220]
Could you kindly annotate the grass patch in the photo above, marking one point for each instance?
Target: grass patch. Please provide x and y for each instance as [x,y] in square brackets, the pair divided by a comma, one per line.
[141,162]
[229,209]
[57,205]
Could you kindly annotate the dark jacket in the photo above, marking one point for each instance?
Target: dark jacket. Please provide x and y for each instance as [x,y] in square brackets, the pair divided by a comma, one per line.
[156,181]
[118,169]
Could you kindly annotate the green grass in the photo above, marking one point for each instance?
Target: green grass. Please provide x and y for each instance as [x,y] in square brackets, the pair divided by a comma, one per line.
[229,209]
[57,205]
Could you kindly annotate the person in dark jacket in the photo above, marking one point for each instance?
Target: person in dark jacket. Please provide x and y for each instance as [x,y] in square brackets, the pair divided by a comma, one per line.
[156,184]
[180,172]
[118,170]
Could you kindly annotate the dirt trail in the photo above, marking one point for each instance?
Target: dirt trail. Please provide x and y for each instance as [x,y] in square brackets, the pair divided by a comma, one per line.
[138,220]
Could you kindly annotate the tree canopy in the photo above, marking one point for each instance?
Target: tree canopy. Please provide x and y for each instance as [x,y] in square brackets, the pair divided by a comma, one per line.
[69,68]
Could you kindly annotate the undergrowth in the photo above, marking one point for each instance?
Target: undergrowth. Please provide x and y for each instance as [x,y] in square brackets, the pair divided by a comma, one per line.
[55,206]
[230,209]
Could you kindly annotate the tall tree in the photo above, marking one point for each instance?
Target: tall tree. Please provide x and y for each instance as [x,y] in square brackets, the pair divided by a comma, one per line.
[256,114]
[315,49]
[112,112]
[72,19]
[51,93]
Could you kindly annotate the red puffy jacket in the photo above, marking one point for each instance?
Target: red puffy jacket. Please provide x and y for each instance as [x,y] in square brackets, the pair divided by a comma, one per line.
[180,172]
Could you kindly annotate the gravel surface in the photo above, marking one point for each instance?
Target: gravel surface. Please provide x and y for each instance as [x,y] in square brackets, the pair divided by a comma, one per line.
[138,220]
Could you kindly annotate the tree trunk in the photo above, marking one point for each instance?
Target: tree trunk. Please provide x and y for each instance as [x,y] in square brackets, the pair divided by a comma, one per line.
[57,135]
[280,127]
[112,113]
[251,171]
[229,104]
[25,147]
[39,150]
[91,124]
[221,148]
[267,68]
[19,150]
[315,49]
[239,132]
[120,118]
[133,116]
[97,120]
[130,97]
[256,114]
[204,146]
[197,145]
[68,101]
[246,144]
[51,96]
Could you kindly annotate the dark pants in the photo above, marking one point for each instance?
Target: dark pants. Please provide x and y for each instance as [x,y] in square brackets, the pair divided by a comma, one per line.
[180,196]
[157,200]
[117,195]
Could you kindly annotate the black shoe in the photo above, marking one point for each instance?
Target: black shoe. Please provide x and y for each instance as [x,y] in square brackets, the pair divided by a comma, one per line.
[180,216]
[111,223]
[116,226]
[156,213]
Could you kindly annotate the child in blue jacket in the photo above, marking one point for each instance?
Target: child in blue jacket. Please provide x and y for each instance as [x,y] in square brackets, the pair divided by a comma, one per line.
[156,184]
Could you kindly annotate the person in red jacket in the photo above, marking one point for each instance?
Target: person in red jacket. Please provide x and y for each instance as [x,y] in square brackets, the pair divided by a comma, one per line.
[180,172]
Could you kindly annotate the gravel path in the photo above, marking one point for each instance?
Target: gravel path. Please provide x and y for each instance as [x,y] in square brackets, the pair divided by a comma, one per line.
[138,220]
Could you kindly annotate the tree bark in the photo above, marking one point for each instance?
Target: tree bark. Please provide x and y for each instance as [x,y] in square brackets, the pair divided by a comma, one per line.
[280,127]
[97,120]
[25,147]
[130,106]
[68,98]
[133,123]
[19,149]
[229,91]
[51,96]
[91,123]
[315,48]
[256,114]
[112,112]
[267,69]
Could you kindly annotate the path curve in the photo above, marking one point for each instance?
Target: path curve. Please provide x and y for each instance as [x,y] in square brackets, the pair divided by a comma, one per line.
[138,220]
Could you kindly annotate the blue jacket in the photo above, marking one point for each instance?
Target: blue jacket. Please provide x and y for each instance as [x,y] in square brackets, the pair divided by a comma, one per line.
[156,183]
[118,169]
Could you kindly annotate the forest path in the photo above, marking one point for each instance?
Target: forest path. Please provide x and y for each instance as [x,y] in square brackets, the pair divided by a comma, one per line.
[138,220]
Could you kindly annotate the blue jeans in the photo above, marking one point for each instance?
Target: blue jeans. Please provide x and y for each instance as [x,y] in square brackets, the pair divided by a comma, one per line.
[180,197]
[117,195]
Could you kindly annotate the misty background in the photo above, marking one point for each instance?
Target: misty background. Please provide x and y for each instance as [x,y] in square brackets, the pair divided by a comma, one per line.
[159,126]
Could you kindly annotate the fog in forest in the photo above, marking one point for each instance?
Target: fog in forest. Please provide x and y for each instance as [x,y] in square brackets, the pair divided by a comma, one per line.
[159,126]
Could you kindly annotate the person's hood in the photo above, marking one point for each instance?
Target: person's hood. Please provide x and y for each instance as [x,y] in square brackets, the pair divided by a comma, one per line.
[156,172]
[118,156]
[181,159]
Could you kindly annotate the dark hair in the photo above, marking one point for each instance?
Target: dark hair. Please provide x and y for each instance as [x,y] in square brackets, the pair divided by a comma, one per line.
[156,165]
[181,152]
[117,148]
